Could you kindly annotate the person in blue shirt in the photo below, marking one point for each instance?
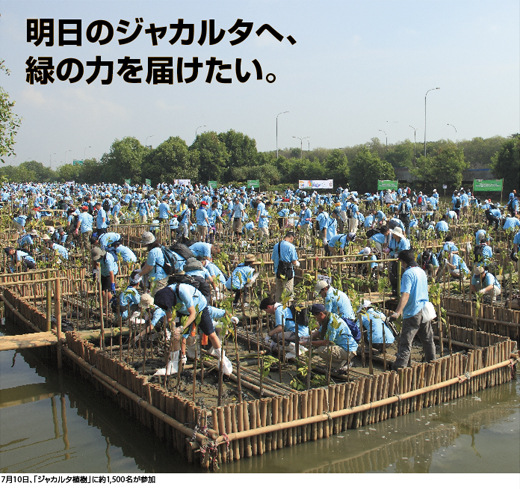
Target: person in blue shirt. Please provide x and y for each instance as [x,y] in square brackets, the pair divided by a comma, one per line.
[381,240]
[336,301]
[130,298]
[104,263]
[263,220]
[126,254]
[373,324]
[483,253]
[442,228]
[61,250]
[242,278]
[164,210]
[284,252]
[84,226]
[456,265]
[285,325]
[19,259]
[404,209]
[323,220]
[414,296]
[191,304]
[338,243]
[305,223]
[153,268]
[203,224]
[101,219]
[333,339]
[484,282]
[26,242]
[511,222]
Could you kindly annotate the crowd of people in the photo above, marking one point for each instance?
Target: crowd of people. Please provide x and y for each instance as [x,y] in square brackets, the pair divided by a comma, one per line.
[181,279]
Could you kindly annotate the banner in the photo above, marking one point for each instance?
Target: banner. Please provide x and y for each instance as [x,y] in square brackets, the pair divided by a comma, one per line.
[253,184]
[77,162]
[128,181]
[186,182]
[212,183]
[480,185]
[316,184]
[387,185]
[147,181]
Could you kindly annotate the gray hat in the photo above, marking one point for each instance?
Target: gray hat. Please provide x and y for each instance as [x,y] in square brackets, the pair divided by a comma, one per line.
[147,238]
[192,264]
[398,231]
[33,232]
[478,271]
[146,300]
[97,253]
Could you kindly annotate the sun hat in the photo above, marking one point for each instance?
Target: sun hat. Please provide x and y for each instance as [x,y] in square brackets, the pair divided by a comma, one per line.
[46,237]
[478,270]
[250,258]
[192,264]
[321,284]
[33,232]
[97,253]
[399,232]
[146,300]
[366,251]
[147,238]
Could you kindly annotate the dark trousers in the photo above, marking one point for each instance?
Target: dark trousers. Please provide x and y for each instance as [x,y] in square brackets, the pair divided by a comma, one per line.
[411,327]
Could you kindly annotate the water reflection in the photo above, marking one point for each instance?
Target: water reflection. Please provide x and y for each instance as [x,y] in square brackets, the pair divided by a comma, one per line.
[63,425]
[56,422]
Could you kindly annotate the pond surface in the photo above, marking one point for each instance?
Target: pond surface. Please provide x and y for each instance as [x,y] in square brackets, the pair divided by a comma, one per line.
[54,422]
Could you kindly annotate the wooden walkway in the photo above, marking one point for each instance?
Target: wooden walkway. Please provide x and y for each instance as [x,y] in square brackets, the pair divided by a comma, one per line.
[31,340]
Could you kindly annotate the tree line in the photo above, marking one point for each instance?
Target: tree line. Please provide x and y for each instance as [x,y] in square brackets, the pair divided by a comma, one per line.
[232,158]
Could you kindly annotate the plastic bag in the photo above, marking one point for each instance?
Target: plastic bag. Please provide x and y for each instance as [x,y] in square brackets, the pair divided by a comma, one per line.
[428,312]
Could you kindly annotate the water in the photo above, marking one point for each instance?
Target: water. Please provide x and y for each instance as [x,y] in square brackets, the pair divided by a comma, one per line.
[56,423]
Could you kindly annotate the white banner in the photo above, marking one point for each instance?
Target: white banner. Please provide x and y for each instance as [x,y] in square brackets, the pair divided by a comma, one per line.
[185,182]
[316,184]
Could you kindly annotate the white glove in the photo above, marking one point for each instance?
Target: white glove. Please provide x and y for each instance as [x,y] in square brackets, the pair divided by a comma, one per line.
[480,292]
[297,264]
[234,320]
[325,242]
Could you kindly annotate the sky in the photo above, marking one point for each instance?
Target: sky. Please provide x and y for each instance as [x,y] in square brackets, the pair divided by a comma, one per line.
[358,70]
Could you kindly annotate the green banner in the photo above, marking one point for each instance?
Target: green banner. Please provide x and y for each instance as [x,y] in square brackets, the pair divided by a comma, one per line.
[387,184]
[212,183]
[488,185]
[253,184]
[77,162]
[147,181]
[128,181]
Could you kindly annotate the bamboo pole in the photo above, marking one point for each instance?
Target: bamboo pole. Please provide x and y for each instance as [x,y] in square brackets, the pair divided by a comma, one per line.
[362,407]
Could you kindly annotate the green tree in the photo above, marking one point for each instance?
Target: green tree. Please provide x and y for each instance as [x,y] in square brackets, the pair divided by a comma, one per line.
[444,166]
[401,154]
[169,161]
[479,152]
[42,173]
[68,173]
[337,168]
[124,160]
[506,163]
[91,171]
[210,155]
[241,148]
[9,121]
[366,169]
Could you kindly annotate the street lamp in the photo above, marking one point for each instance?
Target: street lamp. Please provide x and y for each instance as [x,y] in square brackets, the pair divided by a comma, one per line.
[452,126]
[196,130]
[277,131]
[50,159]
[66,155]
[85,152]
[301,144]
[146,140]
[414,142]
[437,88]
[386,139]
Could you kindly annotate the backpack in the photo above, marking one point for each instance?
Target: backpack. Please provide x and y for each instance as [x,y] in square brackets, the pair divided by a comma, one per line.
[198,282]
[301,317]
[419,200]
[350,214]
[183,250]
[510,206]
[456,205]
[478,253]
[426,258]
[106,205]
[372,232]
[169,261]
[354,329]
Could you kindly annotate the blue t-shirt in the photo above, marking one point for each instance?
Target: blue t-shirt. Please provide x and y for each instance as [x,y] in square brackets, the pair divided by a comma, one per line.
[156,260]
[415,283]
[288,321]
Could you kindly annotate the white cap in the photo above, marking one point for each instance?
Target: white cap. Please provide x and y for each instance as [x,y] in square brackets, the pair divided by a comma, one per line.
[366,304]
[321,284]
[366,251]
